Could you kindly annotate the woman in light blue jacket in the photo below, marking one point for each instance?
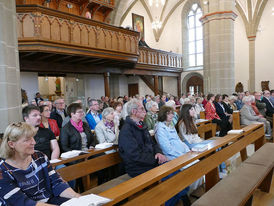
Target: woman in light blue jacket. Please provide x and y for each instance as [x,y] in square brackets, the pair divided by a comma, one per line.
[171,146]
[166,135]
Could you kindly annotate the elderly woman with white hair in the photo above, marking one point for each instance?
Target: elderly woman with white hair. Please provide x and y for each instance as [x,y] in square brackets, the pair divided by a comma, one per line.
[151,117]
[105,130]
[248,116]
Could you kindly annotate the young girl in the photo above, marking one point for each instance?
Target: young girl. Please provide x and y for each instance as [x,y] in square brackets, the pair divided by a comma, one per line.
[186,127]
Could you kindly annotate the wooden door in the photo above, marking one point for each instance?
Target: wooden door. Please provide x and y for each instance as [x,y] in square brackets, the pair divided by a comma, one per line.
[133,89]
[195,85]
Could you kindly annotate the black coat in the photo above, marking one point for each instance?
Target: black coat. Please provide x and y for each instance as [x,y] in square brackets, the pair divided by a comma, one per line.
[269,108]
[57,117]
[70,138]
[220,111]
[137,148]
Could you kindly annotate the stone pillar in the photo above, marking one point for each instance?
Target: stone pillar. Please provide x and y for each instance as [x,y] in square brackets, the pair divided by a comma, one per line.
[106,81]
[156,85]
[251,82]
[10,92]
[218,24]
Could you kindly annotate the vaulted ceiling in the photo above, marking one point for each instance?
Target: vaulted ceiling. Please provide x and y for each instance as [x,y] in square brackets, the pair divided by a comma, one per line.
[249,10]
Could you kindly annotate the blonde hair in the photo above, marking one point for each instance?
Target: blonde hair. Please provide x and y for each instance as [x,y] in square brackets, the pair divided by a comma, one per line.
[13,133]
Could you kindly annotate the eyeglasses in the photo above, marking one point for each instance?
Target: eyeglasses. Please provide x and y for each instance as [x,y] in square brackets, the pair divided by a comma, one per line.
[17,124]
[80,112]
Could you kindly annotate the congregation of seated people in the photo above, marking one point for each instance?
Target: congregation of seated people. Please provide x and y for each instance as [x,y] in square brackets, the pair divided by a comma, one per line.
[149,131]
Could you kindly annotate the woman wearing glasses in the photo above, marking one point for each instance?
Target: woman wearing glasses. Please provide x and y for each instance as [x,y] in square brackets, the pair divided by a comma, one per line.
[26,176]
[76,134]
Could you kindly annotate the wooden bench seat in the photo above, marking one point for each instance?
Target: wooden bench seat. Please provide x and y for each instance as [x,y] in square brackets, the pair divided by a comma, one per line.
[108,185]
[238,188]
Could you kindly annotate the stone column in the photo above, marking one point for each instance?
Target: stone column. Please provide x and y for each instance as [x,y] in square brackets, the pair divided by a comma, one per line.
[251,82]
[10,92]
[218,24]
[156,85]
[106,81]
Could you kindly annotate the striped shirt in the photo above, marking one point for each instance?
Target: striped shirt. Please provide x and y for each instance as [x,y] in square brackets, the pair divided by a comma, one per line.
[38,182]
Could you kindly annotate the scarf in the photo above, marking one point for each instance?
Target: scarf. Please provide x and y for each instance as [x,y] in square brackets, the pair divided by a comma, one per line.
[110,125]
[78,127]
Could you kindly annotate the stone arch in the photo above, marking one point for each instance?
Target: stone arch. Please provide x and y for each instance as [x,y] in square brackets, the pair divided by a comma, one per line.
[187,77]
[184,15]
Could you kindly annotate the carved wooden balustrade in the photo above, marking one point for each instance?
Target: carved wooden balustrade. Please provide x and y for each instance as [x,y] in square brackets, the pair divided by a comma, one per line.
[159,58]
[48,30]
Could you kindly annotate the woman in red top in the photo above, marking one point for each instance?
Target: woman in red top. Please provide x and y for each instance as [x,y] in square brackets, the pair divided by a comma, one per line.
[46,122]
[211,114]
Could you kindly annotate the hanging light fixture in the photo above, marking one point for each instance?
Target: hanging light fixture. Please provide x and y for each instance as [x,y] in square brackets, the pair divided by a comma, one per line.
[156,2]
[156,24]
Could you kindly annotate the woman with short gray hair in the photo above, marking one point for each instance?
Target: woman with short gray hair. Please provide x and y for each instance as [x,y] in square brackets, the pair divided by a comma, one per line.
[248,115]
[151,116]
[105,130]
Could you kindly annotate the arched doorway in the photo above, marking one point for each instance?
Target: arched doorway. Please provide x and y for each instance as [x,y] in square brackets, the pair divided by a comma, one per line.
[195,85]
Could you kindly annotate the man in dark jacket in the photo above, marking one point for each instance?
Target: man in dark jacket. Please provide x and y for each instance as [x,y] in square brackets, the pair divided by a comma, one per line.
[59,113]
[137,149]
[269,106]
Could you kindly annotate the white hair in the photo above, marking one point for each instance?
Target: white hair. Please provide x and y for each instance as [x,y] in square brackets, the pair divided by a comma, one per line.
[150,104]
[246,99]
[106,112]
[132,104]
[170,103]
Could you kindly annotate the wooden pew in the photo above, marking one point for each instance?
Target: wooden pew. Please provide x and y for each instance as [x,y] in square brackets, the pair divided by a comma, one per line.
[202,115]
[206,129]
[88,166]
[208,164]
[255,173]
[236,122]
[91,152]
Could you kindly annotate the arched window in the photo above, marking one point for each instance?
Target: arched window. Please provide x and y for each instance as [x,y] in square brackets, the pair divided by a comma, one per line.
[195,37]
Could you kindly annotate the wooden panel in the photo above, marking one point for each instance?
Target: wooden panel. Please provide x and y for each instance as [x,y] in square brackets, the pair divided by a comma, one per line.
[65,32]
[84,168]
[45,27]
[55,30]
[84,35]
[92,37]
[108,40]
[28,26]
[76,34]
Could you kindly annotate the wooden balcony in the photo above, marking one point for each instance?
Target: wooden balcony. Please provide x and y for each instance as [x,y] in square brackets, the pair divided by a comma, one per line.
[159,60]
[42,29]
[53,41]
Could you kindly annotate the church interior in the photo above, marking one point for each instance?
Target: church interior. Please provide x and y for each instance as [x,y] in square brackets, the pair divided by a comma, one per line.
[87,50]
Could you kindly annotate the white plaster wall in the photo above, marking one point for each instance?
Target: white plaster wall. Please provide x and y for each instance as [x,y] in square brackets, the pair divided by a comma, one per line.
[144,89]
[241,53]
[29,82]
[94,86]
[123,85]
[264,50]
[139,9]
[43,86]
[170,85]
[171,37]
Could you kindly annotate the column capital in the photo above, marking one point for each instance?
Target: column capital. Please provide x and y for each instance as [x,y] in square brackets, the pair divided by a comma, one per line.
[218,16]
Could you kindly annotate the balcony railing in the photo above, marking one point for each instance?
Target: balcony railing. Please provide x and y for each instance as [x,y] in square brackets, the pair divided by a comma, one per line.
[159,58]
[45,29]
